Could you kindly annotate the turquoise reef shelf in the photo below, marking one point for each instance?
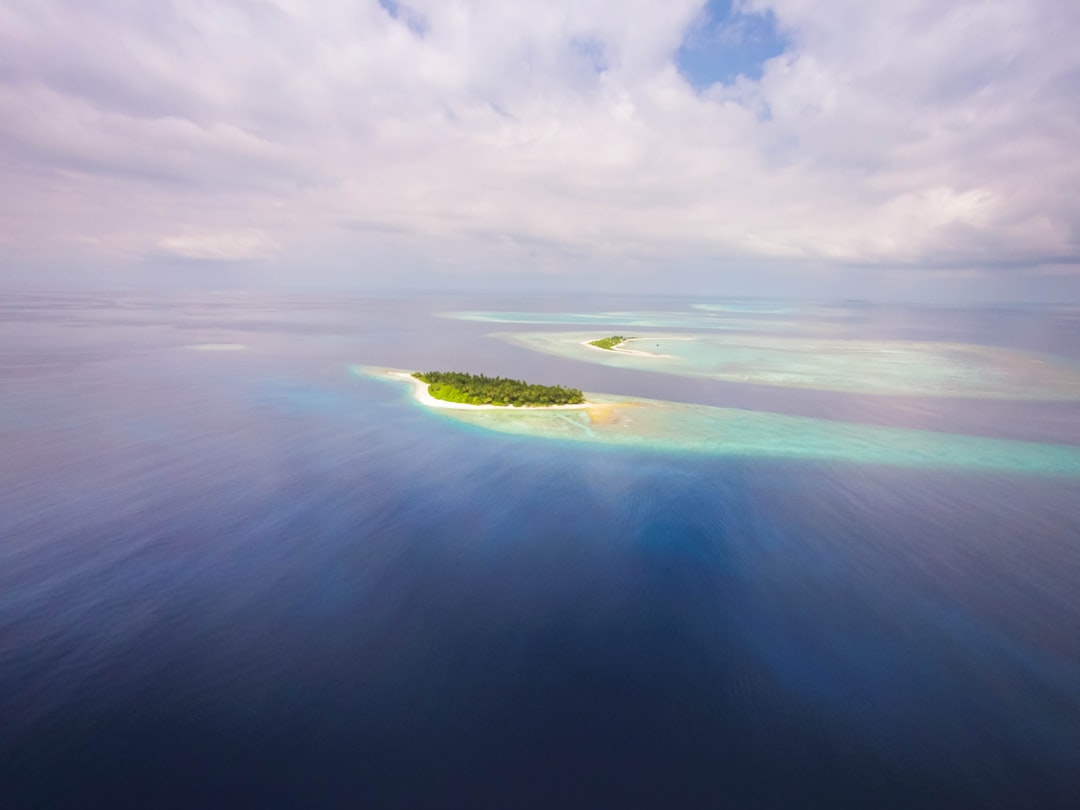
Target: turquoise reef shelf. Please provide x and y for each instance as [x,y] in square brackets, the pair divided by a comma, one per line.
[704,430]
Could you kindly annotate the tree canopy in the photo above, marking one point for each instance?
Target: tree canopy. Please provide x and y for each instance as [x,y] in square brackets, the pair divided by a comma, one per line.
[608,342]
[479,389]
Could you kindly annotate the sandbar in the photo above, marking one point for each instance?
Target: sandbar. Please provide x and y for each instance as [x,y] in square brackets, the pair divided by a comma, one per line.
[618,347]
[863,366]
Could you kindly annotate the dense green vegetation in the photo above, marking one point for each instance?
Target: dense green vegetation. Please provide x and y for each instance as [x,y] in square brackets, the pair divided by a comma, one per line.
[608,342]
[478,389]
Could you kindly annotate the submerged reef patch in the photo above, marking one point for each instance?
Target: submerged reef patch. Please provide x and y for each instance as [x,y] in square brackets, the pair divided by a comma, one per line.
[882,367]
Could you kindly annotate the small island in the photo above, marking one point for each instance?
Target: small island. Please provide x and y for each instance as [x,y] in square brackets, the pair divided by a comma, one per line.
[609,342]
[479,389]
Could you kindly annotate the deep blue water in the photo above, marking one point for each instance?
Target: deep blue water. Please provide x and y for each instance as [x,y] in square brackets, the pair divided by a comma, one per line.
[252,579]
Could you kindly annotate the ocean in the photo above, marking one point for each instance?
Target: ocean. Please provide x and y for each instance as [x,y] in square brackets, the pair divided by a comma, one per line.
[235,573]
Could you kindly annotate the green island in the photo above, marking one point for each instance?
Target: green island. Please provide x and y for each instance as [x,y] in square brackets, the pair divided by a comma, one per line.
[479,389]
[608,342]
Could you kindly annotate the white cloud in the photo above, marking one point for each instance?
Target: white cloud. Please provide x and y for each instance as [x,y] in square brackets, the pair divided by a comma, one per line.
[916,133]
[222,246]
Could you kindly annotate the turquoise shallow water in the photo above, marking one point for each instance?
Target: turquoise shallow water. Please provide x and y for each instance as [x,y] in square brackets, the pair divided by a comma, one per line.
[886,367]
[700,429]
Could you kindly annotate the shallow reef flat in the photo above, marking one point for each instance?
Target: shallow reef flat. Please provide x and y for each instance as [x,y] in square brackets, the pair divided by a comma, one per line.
[758,306]
[705,430]
[726,319]
[882,367]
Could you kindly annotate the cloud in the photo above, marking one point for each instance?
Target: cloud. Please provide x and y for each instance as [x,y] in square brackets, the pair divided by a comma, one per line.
[921,135]
[219,247]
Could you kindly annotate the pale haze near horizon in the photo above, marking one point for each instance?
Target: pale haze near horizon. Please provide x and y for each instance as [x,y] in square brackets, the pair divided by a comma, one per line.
[915,150]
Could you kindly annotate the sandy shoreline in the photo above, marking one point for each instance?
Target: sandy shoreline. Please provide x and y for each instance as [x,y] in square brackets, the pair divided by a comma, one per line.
[617,349]
[420,391]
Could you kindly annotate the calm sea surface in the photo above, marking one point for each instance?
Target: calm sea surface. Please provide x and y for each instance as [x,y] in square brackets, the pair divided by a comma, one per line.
[238,575]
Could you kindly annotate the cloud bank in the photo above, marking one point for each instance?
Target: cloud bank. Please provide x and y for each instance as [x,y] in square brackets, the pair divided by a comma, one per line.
[370,137]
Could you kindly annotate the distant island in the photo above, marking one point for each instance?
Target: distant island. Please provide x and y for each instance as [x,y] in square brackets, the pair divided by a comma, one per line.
[479,389]
[609,342]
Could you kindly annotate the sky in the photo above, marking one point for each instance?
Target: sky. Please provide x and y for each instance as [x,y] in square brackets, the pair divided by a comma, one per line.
[916,149]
